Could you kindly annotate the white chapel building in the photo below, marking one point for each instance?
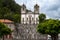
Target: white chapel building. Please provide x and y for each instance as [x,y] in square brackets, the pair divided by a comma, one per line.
[29,17]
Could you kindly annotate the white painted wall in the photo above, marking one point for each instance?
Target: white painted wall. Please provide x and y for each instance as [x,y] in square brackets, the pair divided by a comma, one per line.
[33,18]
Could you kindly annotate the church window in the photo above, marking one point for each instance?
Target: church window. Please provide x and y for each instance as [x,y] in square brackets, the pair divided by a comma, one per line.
[23,8]
[23,19]
[32,18]
[36,20]
[27,19]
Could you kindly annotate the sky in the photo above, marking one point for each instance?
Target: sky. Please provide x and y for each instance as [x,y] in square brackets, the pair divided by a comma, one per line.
[49,7]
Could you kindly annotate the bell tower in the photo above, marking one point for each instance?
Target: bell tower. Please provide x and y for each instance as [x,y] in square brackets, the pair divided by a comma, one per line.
[23,8]
[36,8]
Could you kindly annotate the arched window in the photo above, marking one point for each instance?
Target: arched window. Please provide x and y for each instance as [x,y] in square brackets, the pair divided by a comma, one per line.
[36,20]
[27,19]
[23,8]
[30,19]
[23,20]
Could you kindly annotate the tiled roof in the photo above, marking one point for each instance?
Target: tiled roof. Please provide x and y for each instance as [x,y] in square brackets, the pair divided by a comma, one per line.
[5,21]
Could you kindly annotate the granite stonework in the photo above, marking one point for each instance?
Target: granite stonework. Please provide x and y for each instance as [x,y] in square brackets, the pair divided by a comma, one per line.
[28,32]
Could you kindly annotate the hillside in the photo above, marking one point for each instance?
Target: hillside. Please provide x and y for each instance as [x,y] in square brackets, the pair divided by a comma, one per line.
[9,9]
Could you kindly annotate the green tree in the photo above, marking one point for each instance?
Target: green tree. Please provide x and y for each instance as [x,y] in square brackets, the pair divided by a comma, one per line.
[16,18]
[3,12]
[9,9]
[51,27]
[42,17]
[4,30]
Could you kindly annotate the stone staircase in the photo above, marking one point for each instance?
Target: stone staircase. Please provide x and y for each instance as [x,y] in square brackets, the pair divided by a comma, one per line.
[28,32]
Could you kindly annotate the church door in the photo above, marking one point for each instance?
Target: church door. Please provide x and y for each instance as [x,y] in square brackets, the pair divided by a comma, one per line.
[30,19]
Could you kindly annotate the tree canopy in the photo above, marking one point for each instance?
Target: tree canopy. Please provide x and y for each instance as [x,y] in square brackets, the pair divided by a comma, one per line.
[51,27]
[9,9]
[11,5]
[4,30]
[42,17]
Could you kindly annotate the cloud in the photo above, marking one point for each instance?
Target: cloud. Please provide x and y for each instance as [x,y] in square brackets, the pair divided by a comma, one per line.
[50,7]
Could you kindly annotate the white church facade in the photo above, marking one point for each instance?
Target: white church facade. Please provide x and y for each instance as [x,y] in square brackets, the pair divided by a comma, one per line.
[29,17]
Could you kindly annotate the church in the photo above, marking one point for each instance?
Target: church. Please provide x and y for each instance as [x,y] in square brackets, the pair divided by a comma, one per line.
[29,17]
[29,22]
